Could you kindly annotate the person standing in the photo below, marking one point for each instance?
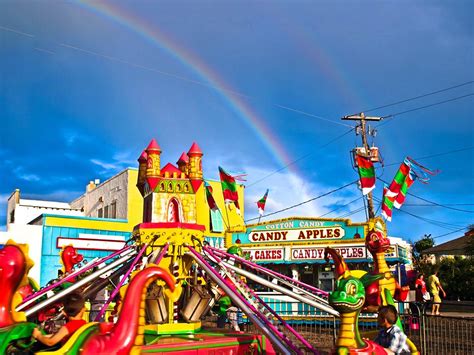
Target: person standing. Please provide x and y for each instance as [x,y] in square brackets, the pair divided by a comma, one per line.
[435,286]
[422,294]
[232,317]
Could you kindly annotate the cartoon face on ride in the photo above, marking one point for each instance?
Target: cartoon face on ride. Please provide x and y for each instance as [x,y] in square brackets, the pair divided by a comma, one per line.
[349,295]
[70,257]
[376,241]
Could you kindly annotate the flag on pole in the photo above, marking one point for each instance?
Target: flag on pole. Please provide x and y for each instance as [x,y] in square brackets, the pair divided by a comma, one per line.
[261,203]
[366,172]
[229,189]
[387,204]
[210,199]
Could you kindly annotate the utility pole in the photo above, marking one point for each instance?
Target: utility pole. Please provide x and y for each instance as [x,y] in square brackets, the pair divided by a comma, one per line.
[364,132]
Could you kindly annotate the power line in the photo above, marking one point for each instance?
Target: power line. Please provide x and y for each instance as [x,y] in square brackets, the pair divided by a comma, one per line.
[175,76]
[434,155]
[422,107]
[428,220]
[304,202]
[350,213]
[301,158]
[419,97]
[443,235]
[431,202]
[338,208]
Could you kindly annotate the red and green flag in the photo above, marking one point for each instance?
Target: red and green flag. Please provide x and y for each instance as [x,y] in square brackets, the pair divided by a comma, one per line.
[229,188]
[399,179]
[387,204]
[409,180]
[366,173]
[261,203]
[210,199]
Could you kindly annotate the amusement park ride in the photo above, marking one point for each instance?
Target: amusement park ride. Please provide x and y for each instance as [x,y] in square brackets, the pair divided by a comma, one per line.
[166,279]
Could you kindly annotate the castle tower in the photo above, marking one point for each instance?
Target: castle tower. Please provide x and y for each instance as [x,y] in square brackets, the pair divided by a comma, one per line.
[183,163]
[153,167]
[195,162]
[142,164]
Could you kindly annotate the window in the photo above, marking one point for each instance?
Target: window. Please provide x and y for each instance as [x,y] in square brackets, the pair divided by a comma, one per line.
[106,212]
[148,208]
[100,213]
[12,216]
[113,209]
[216,221]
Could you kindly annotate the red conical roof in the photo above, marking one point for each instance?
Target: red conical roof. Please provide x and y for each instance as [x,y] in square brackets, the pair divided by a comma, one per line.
[194,150]
[143,157]
[153,146]
[183,159]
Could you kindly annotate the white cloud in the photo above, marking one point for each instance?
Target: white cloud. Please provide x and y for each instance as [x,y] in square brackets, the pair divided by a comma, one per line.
[71,136]
[21,174]
[288,189]
[104,165]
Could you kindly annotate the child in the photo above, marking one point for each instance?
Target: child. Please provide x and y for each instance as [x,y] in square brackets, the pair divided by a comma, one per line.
[391,337]
[74,310]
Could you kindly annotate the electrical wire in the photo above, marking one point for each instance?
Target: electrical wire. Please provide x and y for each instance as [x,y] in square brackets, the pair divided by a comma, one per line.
[444,225]
[301,158]
[352,212]
[420,96]
[443,235]
[420,108]
[428,201]
[434,155]
[175,76]
[338,208]
[304,202]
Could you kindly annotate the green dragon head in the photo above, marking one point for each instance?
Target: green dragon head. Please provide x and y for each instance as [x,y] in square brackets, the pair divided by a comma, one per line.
[349,295]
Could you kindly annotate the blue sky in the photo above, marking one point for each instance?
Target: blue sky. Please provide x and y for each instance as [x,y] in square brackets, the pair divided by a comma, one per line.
[257,84]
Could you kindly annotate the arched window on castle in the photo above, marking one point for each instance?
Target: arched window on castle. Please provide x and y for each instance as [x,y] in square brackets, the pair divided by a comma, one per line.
[173,211]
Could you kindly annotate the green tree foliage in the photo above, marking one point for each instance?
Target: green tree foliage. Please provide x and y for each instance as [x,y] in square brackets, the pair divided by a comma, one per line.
[424,243]
[422,263]
[457,275]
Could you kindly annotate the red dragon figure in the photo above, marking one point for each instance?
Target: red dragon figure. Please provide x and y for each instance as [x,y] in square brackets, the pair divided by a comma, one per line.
[128,332]
[69,258]
[12,272]
[377,243]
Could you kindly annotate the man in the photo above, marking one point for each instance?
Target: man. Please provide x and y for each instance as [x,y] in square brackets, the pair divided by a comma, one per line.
[391,337]
[434,286]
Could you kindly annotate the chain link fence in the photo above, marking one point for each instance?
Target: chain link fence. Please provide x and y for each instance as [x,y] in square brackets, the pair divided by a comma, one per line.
[437,335]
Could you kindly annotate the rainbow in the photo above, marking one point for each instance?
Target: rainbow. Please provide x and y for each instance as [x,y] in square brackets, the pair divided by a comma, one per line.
[234,99]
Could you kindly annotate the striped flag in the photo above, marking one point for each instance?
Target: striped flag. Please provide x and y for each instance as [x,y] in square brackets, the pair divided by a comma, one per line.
[229,189]
[409,180]
[210,199]
[399,179]
[387,204]
[261,203]
[366,173]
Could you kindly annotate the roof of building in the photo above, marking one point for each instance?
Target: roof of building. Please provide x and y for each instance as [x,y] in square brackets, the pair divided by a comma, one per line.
[453,247]
[170,168]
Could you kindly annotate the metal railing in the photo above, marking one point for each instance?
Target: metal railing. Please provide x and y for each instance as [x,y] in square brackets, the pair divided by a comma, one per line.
[438,335]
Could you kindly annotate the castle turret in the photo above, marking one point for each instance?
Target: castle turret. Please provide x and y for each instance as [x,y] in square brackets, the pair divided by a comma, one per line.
[183,163]
[195,162]
[153,167]
[142,164]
